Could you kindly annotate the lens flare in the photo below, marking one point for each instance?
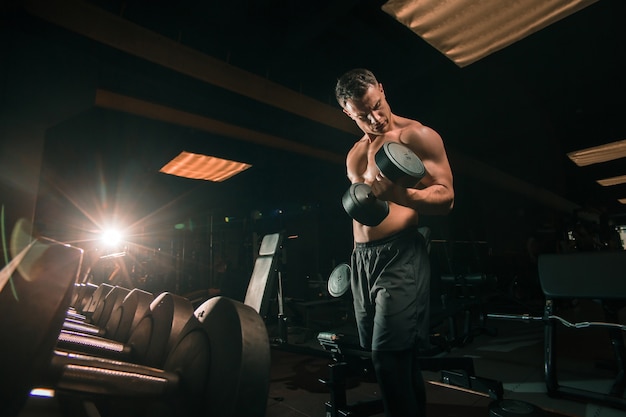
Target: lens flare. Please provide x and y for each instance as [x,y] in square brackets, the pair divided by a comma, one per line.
[111,237]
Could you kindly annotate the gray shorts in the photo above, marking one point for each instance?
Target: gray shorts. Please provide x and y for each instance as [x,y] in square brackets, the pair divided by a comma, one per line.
[391,291]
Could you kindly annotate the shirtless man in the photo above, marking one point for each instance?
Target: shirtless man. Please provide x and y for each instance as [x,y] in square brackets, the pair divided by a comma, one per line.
[390,267]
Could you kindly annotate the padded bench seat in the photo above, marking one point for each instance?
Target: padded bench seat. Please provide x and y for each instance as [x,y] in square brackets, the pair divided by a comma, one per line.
[599,276]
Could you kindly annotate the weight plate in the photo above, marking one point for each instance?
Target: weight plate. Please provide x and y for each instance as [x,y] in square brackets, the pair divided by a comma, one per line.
[339,280]
[240,359]
[400,164]
[25,248]
[362,206]
[32,321]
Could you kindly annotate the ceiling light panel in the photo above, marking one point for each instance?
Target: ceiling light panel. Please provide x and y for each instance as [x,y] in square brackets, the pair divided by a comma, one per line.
[607,182]
[468,30]
[203,167]
[599,154]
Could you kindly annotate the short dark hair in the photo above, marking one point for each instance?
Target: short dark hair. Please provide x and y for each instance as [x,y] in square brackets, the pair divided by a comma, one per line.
[354,84]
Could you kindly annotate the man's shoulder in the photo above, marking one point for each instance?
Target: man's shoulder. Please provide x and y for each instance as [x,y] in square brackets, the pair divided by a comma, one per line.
[405,123]
[359,146]
[414,130]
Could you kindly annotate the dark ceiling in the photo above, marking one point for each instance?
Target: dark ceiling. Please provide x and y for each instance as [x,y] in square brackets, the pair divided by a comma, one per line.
[507,120]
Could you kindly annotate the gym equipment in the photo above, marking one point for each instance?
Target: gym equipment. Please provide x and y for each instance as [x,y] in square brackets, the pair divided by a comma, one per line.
[238,384]
[95,300]
[363,206]
[597,276]
[238,381]
[339,280]
[398,163]
[350,360]
[460,291]
[218,367]
[258,294]
[127,315]
[81,298]
[266,286]
[119,316]
[263,281]
[216,360]
[101,314]
[82,295]
[163,325]
[463,299]
[32,316]
[104,309]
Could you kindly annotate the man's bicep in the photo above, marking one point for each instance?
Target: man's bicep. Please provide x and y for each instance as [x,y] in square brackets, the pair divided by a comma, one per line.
[434,157]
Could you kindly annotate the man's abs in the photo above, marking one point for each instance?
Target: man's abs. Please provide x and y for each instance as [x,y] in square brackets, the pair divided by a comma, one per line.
[399,218]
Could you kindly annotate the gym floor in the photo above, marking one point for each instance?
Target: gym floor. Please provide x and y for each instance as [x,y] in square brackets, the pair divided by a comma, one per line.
[512,352]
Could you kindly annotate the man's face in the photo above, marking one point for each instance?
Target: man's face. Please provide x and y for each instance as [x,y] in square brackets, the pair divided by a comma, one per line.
[371,112]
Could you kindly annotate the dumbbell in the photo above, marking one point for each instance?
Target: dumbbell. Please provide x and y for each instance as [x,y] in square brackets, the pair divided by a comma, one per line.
[163,323]
[123,316]
[95,324]
[398,163]
[87,299]
[218,366]
[91,303]
[80,299]
[33,305]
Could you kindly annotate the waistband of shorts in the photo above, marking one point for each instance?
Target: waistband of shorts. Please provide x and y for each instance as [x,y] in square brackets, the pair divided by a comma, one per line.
[411,232]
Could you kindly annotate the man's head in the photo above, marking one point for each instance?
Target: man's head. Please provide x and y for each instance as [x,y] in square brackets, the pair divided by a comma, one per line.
[354,84]
[362,98]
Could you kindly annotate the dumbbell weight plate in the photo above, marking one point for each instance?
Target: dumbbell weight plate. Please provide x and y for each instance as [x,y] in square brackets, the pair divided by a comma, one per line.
[125,317]
[339,280]
[240,359]
[32,320]
[400,164]
[363,207]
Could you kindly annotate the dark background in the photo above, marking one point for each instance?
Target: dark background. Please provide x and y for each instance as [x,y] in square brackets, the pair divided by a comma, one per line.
[508,121]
